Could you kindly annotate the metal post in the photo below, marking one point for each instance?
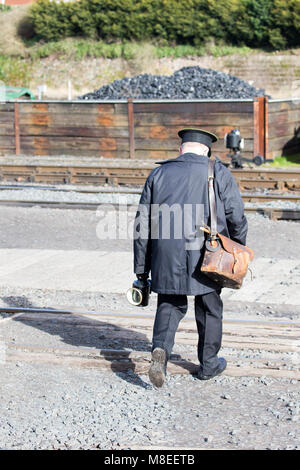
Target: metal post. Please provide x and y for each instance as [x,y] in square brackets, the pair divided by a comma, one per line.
[17,129]
[259,127]
[131,128]
[266,110]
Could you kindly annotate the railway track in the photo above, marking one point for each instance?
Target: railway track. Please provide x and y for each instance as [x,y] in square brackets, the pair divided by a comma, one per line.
[274,213]
[109,195]
[247,196]
[253,348]
[101,171]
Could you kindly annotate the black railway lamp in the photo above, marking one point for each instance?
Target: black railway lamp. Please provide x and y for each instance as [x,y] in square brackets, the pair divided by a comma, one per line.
[235,143]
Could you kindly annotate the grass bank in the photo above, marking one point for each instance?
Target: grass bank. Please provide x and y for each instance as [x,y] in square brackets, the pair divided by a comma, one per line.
[286,161]
[89,64]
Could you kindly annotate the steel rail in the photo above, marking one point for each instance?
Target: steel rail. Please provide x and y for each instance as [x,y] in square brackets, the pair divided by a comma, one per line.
[127,190]
[74,311]
[274,213]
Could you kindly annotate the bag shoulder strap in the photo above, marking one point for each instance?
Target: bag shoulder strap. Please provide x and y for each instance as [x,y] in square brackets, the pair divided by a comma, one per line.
[212,198]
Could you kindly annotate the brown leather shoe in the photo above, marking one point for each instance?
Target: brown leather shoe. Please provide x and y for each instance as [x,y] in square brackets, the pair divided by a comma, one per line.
[158,367]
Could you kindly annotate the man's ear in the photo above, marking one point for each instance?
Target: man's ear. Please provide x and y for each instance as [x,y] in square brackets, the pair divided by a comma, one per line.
[180,150]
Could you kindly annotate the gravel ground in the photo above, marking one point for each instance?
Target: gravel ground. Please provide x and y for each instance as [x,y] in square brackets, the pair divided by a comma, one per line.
[274,204]
[59,407]
[64,408]
[66,229]
[34,194]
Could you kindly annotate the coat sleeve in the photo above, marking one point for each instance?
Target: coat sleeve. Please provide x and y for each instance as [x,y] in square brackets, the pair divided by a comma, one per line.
[234,207]
[142,232]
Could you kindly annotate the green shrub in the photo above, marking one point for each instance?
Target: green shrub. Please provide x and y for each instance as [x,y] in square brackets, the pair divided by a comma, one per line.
[5,7]
[271,24]
[285,22]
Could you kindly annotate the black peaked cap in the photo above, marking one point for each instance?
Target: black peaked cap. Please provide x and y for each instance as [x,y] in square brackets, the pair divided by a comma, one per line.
[197,135]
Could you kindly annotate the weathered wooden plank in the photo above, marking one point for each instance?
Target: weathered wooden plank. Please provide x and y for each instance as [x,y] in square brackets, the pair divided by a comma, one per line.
[172,144]
[194,107]
[7,141]
[88,108]
[35,119]
[19,168]
[7,129]
[43,150]
[32,107]
[139,362]
[165,154]
[6,116]
[153,132]
[112,120]
[284,130]
[277,143]
[167,107]
[115,154]
[75,142]
[157,144]
[68,131]
[193,120]
[171,132]
[155,154]
[283,105]
[75,120]
[285,117]
[6,107]
[81,108]
[74,108]
[7,150]
[241,340]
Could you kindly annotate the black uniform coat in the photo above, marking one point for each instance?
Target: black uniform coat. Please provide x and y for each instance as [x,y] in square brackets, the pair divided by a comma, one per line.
[175,268]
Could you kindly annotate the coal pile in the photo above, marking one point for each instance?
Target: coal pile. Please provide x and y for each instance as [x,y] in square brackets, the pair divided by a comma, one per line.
[186,83]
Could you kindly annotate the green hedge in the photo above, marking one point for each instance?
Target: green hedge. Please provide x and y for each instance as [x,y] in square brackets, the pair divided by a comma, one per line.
[255,23]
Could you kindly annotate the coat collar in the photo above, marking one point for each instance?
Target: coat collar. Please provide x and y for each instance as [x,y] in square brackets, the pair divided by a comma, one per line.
[186,157]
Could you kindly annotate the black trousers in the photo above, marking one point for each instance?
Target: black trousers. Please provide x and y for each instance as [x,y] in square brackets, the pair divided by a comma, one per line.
[208,314]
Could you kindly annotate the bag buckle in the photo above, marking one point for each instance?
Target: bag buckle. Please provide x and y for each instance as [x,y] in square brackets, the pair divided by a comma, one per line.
[212,244]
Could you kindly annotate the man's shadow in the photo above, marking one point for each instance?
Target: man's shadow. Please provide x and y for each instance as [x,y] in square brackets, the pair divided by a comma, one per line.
[78,330]
[292,148]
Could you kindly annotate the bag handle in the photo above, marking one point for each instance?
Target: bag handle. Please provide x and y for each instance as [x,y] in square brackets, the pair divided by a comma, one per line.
[212,199]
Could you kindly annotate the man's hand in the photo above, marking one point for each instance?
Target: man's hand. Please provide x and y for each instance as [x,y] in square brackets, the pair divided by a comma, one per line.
[142,277]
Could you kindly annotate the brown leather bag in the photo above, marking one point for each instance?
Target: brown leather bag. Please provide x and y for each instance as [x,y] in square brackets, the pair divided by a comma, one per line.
[225,261]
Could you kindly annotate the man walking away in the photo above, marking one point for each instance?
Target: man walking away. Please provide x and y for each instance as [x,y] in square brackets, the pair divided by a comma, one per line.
[172,250]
